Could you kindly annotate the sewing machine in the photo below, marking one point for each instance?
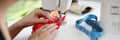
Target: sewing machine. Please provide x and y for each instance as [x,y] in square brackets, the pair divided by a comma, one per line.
[55,5]
[59,5]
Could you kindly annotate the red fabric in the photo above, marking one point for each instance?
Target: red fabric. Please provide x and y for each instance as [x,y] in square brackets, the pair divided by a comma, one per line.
[37,26]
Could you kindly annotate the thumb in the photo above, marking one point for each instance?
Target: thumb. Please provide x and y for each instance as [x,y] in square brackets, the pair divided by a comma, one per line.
[42,21]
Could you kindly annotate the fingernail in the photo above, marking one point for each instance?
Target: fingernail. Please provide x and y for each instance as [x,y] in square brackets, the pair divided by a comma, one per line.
[54,27]
[42,18]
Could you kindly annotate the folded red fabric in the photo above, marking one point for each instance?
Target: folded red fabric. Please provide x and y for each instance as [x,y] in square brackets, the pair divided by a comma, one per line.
[37,26]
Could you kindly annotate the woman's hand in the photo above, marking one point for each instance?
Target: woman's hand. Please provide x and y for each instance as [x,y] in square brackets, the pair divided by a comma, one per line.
[35,17]
[47,32]
[31,19]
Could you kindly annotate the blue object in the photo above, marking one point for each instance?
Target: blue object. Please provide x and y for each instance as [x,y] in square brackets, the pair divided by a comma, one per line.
[91,20]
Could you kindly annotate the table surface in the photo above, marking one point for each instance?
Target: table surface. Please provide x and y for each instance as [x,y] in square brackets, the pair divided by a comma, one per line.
[67,31]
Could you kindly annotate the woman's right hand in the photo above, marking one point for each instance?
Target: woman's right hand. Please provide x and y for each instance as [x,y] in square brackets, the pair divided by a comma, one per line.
[47,32]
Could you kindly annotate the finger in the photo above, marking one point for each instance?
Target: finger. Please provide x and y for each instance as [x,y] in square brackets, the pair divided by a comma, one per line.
[50,30]
[42,20]
[44,14]
[49,17]
[42,28]
[46,28]
[52,35]
[50,27]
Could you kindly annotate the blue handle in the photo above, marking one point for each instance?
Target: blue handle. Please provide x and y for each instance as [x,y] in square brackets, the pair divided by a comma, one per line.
[91,20]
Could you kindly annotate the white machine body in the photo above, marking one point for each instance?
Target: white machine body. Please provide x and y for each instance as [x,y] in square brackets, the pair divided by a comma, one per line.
[53,4]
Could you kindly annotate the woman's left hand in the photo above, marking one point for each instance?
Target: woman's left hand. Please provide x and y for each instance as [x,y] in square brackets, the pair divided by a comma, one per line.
[30,19]
[35,17]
